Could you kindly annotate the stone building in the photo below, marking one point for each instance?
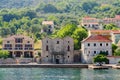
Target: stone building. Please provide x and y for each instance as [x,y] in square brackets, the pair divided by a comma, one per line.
[90,23]
[57,50]
[115,20]
[19,46]
[48,26]
[114,35]
[93,45]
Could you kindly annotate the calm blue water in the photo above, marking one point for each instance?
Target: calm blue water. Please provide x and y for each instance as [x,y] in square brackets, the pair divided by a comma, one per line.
[58,74]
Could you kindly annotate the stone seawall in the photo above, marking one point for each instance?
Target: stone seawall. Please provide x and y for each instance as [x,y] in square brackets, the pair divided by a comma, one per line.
[43,66]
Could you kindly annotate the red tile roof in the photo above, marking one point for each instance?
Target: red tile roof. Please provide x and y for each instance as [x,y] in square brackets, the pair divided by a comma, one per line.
[87,17]
[106,31]
[90,23]
[116,31]
[101,31]
[96,38]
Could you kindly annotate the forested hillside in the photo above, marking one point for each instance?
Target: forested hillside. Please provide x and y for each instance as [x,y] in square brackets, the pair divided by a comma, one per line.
[25,16]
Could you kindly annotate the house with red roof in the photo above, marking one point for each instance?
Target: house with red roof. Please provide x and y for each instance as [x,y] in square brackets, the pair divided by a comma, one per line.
[114,35]
[93,45]
[115,20]
[90,23]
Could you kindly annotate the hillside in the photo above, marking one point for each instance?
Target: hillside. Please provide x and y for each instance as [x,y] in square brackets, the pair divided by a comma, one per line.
[28,3]
[25,16]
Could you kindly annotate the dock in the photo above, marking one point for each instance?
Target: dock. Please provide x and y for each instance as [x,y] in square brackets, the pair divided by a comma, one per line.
[99,67]
[116,66]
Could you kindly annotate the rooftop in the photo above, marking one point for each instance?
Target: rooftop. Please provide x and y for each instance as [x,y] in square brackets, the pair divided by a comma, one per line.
[17,36]
[47,23]
[96,38]
[105,31]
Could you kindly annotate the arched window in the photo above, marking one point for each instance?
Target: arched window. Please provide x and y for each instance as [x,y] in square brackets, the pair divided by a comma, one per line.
[68,48]
[46,47]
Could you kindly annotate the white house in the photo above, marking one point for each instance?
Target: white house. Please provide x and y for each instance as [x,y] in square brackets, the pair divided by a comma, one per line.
[93,45]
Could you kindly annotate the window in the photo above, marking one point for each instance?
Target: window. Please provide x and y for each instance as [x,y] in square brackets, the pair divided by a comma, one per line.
[8,41]
[47,48]
[68,56]
[68,48]
[28,41]
[100,44]
[18,40]
[47,41]
[106,44]
[46,56]
[68,41]
[57,42]
[107,52]
[89,52]
[94,44]
[94,52]
[88,44]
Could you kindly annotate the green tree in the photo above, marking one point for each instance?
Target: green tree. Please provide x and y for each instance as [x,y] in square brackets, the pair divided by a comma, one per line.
[88,6]
[117,52]
[114,47]
[100,59]
[110,27]
[66,30]
[49,8]
[4,54]
[78,35]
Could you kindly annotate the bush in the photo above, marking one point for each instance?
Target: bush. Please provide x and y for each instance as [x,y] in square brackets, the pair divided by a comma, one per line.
[4,54]
[100,59]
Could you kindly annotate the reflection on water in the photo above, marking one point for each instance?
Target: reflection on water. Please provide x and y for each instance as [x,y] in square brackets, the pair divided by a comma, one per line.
[58,74]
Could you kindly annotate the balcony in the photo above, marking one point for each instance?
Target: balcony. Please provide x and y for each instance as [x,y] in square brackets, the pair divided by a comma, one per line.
[7,48]
[18,48]
[28,48]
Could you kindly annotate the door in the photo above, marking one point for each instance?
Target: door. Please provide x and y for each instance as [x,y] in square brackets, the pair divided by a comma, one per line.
[57,61]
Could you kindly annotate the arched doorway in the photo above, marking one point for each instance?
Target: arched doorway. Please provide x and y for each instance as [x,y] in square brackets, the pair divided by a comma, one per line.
[57,59]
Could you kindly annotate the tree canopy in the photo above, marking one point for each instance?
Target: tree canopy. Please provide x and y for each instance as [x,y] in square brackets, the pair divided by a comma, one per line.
[100,59]
[4,54]
[77,33]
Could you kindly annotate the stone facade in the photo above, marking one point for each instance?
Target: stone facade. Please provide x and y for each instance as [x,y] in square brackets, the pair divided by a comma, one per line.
[19,46]
[113,59]
[57,50]
[90,23]
[93,45]
[48,27]
[114,35]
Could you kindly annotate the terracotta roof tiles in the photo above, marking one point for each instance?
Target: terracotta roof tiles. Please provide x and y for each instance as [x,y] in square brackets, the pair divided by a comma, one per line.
[96,38]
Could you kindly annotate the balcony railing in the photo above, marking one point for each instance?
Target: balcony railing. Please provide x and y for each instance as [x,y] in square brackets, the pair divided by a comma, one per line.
[18,48]
[28,48]
[7,48]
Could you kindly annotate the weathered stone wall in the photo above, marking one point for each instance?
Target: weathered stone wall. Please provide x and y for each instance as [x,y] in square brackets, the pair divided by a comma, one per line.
[113,59]
[16,61]
[57,47]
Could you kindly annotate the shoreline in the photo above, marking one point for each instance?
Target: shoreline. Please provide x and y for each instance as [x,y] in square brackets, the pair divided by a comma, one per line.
[88,66]
[44,66]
